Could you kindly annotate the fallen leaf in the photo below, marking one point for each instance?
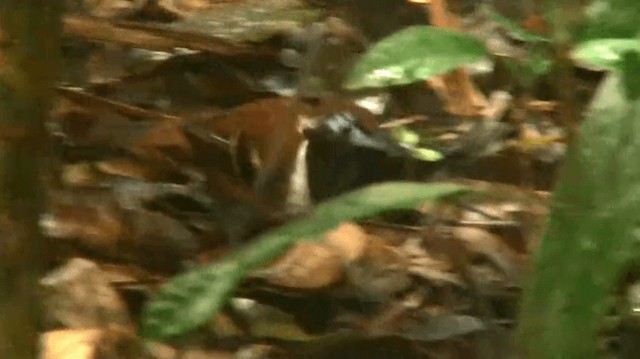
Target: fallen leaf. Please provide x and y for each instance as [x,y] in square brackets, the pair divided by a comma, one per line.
[482,242]
[349,239]
[78,295]
[456,89]
[306,266]
[90,344]
[314,265]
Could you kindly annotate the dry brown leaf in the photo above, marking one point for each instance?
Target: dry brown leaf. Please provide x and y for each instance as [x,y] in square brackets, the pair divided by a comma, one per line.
[97,226]
[456,89]
[306,266]
[164,136]
[94,223]
[91,102]
[184,8]
[349,239]
[78,295]
[79,174]
[112,8]
[381,272]
[482,242]
[71,344]
[425,265]
[91,343]
[147,36]
[125,167]
[313,265]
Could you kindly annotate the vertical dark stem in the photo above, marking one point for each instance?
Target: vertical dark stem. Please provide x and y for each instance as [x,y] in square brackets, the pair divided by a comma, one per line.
[567,16]
[29,53]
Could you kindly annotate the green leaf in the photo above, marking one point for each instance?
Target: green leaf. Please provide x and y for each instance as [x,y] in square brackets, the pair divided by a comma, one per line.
[405,136]
[592,235]
[189,300]
[426,154]
[413,54]
[610,19]
[605,53]
[629,68]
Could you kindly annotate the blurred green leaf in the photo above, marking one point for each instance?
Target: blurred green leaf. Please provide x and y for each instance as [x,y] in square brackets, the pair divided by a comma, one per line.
[592,235]
[411,139]
[426,154]
[629,68]
[405,136]
[605,53]
[414,54]
[189,300]
[610,19]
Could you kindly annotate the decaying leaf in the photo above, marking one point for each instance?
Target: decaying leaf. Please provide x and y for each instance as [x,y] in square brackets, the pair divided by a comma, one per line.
[90,343]
[380,273]
[319,264]
[249,20]
[79,296]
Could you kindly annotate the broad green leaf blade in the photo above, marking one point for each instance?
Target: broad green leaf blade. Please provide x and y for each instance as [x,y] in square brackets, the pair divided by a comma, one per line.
[629,67]
[609,19]
[605,53]
[413,54]
[189,300]
[592,236]
[374,199]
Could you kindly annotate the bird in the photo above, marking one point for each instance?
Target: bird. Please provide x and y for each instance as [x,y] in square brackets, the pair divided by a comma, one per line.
[296,154]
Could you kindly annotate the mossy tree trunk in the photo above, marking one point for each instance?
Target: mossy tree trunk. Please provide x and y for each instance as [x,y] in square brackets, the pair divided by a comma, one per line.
[29,53]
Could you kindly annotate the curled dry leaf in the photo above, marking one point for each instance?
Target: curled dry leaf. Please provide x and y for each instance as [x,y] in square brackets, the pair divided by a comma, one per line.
[265,321]
[456,89]
[146,36]
[425,265]
[161,138]
[90,344]
[100,227]
[79,174]
[306,266]
[482,242]
[108,9]
[349,239]
[128,168]
[313,265]
[380,273]
[78,295]
[249,21]
[159,240]
[184,8]
[442,327]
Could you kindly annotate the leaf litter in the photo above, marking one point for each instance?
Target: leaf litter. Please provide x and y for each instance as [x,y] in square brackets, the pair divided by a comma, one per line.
[180,130]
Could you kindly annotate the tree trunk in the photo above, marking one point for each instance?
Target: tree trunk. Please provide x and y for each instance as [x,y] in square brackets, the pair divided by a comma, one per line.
[29,54]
